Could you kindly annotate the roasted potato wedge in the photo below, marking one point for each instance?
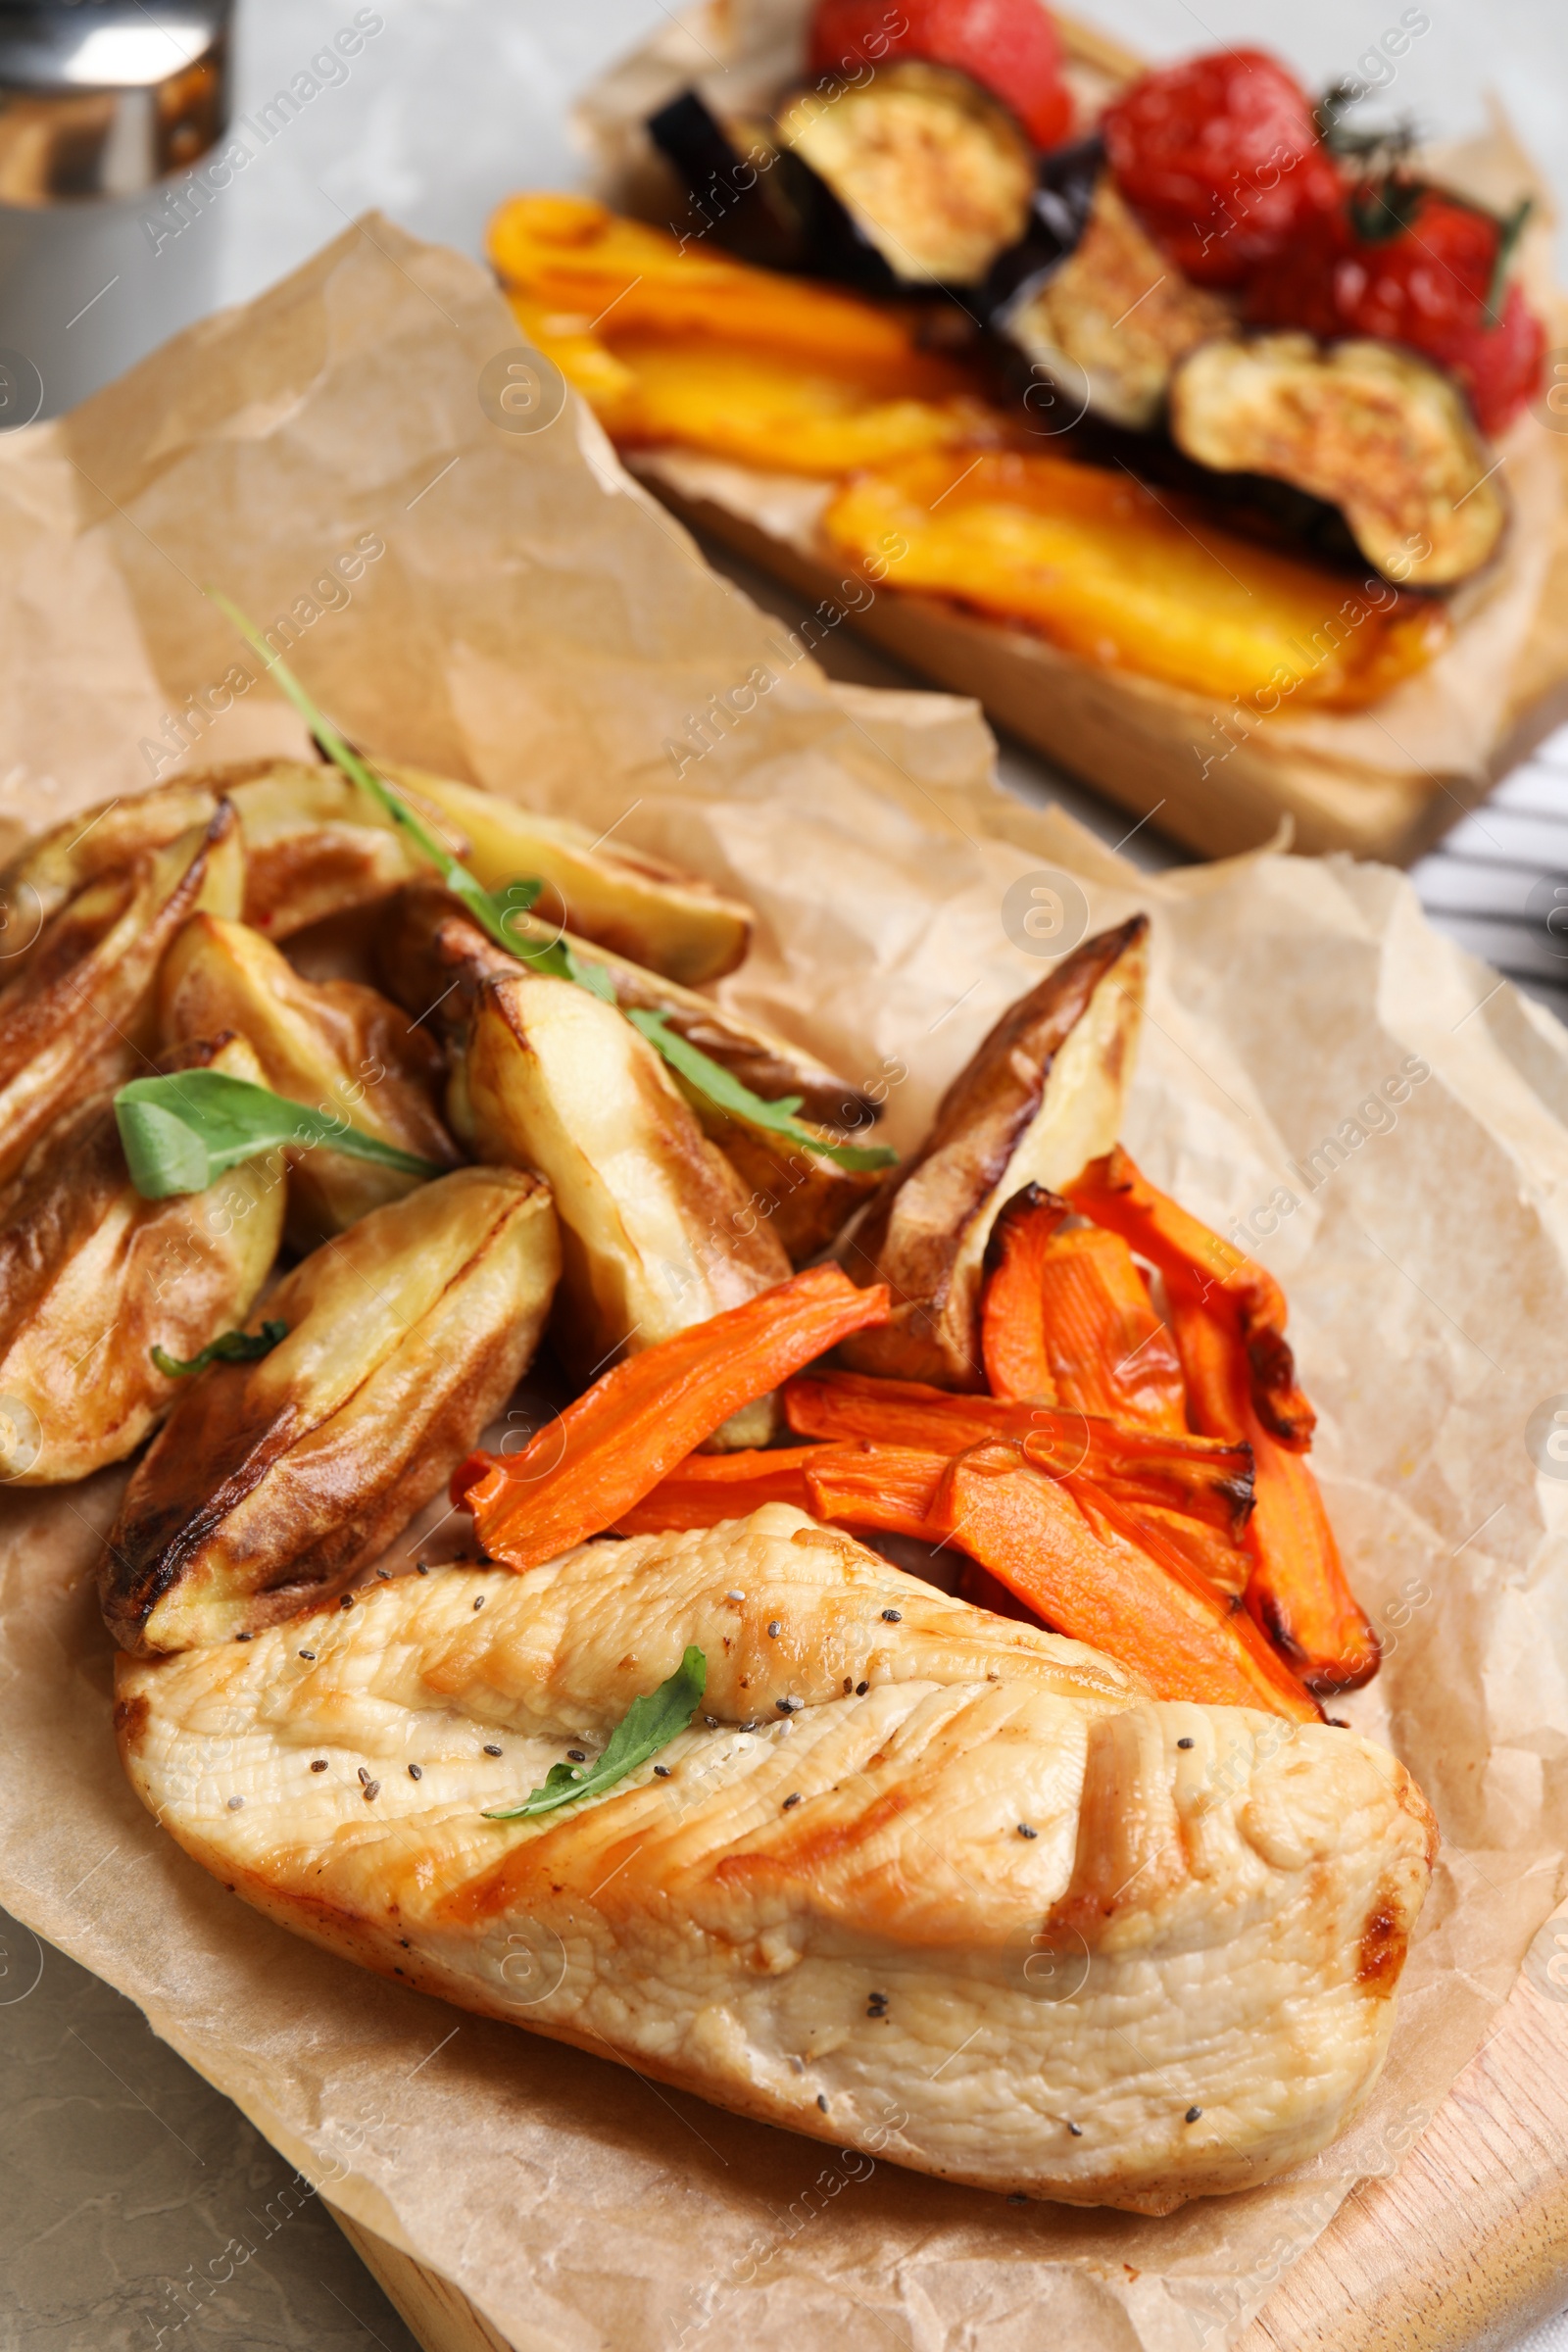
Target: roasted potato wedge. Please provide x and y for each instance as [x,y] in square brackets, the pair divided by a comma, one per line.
[82,1014]
[1375,430]
[433,956]
[624,901]
[333,1045]
[656,1234]
[54,867]
[93,1276]
[1040,1098]
[805,1195]
[315,845]
[272,1484]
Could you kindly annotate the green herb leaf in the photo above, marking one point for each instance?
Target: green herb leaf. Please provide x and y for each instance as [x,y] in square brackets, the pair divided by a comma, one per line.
[648,1725]
[555,958]
[726,1092]
[230,1347]
[1384,209]
[180,1133]
[1509,232]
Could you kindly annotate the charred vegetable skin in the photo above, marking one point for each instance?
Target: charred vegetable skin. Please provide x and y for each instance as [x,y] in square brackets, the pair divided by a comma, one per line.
[273,1483]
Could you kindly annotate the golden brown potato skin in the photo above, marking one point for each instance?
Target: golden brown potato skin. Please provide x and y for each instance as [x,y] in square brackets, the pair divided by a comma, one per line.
[273,1483]
[82,1014]
[315,845]
[333,1045]
[92,1277]
[53,866]
[999,1125]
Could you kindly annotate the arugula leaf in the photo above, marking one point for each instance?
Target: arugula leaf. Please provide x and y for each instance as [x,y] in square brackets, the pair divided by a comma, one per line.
[648,1725]
[180,1133]
[1509,232]
[723,1089]
[230,1347]
[555,958]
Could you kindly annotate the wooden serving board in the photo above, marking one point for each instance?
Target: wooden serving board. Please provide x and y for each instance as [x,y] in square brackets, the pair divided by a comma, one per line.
[1463,2248]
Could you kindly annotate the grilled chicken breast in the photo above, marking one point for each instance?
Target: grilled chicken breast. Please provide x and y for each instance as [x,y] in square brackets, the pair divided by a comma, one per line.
[916,1875]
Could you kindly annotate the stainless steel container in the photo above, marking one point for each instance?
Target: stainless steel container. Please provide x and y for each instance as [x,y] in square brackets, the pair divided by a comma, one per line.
[101,103]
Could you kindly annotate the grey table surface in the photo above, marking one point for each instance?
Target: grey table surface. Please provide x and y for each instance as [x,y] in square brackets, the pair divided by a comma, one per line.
[138,2209]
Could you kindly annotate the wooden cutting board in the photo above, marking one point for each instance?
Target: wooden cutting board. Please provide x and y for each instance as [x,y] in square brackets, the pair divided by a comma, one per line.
[1462,2250]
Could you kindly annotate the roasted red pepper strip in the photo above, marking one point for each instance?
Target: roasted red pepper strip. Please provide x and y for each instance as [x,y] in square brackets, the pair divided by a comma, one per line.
[614,1444]
[707,1487]
[1075,1560]
[1112,1193]
[1297,1589]
[1206,1481]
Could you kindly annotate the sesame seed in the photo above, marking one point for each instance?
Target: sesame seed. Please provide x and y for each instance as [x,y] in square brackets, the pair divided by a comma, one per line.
[244,1637]
[422,1567]
[797,2065]
[1076,2129]
[363,1776]
[372,1790]
[1193,2114]
[308,1653]
[1015,2196]
[384,1574]
[478,1600]
[734,1596]
[661,1772]
[773,1630]
[860,1689]
[787,1706]
[319,1764]
[848,1682]
[490,1748]
[792,1800]
[416,1772]
[1340,1723]
[892,1616]
[711,1722]
[821,2102]
[577,1755]
[1187,1744]
[1024,1830]
[234,1803]
[346,1602]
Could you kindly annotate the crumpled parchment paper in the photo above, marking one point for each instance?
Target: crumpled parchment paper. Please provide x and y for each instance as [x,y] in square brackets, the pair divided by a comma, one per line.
[523,615]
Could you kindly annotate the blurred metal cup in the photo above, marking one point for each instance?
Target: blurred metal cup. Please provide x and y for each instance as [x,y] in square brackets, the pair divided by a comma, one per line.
[100,101]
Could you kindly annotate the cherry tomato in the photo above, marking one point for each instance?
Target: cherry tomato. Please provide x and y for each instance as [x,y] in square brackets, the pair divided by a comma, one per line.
[1010,47]
[1426,284]
[1221,159]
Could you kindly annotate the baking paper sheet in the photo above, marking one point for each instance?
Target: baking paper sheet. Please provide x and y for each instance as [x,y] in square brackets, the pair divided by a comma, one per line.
[523,615]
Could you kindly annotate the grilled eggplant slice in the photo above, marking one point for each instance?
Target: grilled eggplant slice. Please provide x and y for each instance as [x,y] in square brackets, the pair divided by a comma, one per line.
[273,1483]
[93,1276]
[918,177]
[624,901]
[333,1045]
[1373,430]
[656,1231]
[1040,1098]
[82,1014]
[730,185]
[433,957]
[54,867]
[1110,320]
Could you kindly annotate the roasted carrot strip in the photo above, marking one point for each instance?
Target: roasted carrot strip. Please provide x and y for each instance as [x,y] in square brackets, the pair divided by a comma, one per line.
[1193,1474]
[1112,1193]
[707,1487]
[1297,1589]
[614,1444]
[890,1487]
[1107,1349]
[1012,1334]
[1075,1562]
[1221,1560]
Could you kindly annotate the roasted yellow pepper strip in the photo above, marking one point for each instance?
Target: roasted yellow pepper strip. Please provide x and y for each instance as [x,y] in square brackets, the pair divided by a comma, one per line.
[1132,579]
